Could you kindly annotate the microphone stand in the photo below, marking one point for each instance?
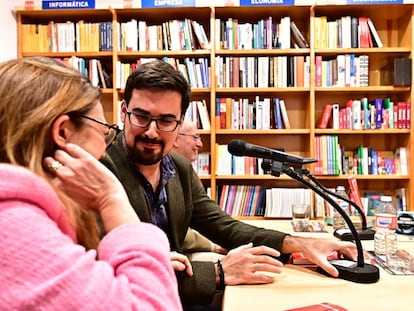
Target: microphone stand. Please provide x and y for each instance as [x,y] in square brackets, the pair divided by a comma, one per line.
[344,234]
[359,273]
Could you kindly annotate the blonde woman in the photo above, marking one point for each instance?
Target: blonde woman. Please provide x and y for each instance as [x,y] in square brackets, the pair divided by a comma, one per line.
[52,123]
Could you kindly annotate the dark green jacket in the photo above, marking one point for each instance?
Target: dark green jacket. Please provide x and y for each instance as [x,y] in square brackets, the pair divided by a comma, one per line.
[189,205]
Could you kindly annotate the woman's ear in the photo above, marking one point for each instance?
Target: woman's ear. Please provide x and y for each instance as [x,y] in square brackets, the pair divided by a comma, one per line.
[61,130]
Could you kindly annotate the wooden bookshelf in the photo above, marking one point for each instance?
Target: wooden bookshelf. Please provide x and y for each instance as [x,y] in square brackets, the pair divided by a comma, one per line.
[394,24]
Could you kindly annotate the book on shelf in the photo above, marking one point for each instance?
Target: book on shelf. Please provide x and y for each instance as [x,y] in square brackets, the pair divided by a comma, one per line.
[365,40]
[284,114]
[297,36]
[325,117]
[203,114]
[400,199]
[375,36]
[203,163]
[278,114]
[280,200]
[355,32]
[242,200]
[401,161]
[355,194]
[356,114]
[335,116]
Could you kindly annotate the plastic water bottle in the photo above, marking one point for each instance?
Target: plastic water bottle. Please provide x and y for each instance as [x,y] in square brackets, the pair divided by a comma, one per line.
[338,220]
[385,239]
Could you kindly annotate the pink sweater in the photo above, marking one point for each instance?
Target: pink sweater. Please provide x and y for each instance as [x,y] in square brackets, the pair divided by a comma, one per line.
[42,268]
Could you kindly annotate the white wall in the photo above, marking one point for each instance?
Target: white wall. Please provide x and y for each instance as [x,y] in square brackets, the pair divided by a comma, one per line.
[8,44]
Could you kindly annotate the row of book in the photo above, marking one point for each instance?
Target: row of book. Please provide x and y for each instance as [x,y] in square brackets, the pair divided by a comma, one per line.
[357,114]
[243,113]
[67,37]
[242,200]
[202,164]
[362,160]
[227,164]
[172,35]
[264,34]
[343,70]
[198,113]
[279,201]
[368,201]
[92,68]
[346,32]
[257,200]
[262,71]
[195,70]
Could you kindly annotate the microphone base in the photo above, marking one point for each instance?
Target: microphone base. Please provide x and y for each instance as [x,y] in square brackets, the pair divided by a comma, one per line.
[346,234]
[351,272]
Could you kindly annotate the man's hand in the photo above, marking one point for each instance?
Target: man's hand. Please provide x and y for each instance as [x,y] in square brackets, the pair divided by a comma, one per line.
[218,249]
[244,264]
[318,250]
[180,262]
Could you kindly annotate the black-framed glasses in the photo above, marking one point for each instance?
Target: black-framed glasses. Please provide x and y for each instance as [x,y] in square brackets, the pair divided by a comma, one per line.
[164,123]
[196,137]
[113,130]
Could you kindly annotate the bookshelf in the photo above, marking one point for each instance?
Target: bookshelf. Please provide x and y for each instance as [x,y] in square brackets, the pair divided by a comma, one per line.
[304,101]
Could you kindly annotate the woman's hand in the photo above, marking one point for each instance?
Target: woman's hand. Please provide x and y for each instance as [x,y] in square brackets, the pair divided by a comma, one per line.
[90,184]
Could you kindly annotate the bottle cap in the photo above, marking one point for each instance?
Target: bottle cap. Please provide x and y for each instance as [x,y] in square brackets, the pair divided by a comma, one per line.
[386,198]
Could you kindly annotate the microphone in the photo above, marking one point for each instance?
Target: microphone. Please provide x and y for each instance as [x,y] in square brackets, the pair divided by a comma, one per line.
[241,148]
[359,271]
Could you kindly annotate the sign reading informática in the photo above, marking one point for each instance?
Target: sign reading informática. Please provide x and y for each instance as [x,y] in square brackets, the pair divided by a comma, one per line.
[266,2]
[80,4]
[167,3]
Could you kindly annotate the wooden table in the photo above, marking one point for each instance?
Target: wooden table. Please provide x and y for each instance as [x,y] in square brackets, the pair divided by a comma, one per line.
[299,286]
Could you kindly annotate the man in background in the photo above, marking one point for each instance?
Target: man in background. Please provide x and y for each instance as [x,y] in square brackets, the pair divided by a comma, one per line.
[188,144]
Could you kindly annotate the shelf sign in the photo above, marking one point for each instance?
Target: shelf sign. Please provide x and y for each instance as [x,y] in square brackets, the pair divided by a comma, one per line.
[266,2]
[167,3]
[29,5]
[60,5]
[374,1]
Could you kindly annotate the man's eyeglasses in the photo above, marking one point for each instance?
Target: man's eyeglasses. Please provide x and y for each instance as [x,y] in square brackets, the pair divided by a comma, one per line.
[164,123]
[113,130]
[196,137]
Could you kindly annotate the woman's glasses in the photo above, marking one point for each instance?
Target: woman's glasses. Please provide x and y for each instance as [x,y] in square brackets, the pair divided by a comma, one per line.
[113,130]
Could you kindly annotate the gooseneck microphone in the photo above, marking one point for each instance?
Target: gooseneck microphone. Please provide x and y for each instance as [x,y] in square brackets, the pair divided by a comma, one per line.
[359,271]
[241,148]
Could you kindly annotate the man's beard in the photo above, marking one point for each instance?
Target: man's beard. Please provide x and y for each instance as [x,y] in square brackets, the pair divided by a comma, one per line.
[147,156]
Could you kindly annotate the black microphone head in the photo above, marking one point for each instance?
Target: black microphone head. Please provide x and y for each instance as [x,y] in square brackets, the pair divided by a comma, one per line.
[237,147]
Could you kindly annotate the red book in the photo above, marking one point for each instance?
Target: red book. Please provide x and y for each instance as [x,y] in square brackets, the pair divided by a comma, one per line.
[408,115]
[401,115]
[299,259]
[223,112]
[355,192]
[323,306]
[318,70]
[325,116]
[365,40]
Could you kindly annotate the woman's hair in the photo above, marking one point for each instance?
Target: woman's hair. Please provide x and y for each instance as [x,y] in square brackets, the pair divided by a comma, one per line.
[34,91]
